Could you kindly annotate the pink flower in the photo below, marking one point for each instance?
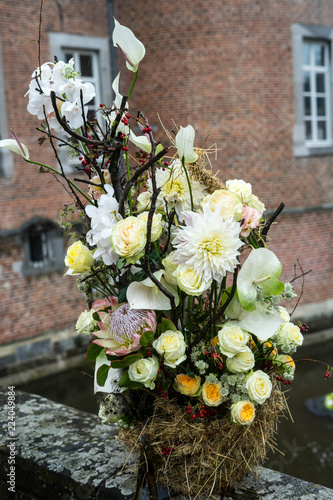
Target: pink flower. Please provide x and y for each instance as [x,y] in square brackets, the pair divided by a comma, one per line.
[101,304]
[250,218]
[121,332]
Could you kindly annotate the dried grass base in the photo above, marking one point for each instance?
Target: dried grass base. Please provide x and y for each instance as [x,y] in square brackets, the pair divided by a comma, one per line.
[211,454]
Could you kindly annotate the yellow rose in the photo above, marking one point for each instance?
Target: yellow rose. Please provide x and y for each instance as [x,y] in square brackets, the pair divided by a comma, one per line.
[212,394]
[172,346]
[227,203]
[128,238]
[189,386]
[190,281]
[156,226]
[232,339]
[79,258]
[242,412]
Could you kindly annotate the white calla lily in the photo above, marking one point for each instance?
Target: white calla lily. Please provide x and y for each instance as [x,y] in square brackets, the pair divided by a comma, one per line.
[133,50]
[184,143]
[261,269]
[259,322]
[146,295]
[15,146]
[141,142]
[114,374]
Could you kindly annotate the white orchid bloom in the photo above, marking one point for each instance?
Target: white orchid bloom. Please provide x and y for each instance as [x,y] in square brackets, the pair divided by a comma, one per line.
[15,146]
[133,50]
[146,295]
[184,143]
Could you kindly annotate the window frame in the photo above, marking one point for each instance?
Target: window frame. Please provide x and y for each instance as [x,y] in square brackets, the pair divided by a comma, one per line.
[62,43]
[308,33]
[6,157]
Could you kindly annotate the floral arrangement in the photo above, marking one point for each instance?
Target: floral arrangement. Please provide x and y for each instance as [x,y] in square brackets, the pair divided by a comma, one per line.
[188,335]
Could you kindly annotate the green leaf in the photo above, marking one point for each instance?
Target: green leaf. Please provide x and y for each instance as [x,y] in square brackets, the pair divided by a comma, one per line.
[127,361]
[125,381]
[96,316]
[166,324]
[102,374]
[122,295]
[121,262]
[94,351]
[146,338]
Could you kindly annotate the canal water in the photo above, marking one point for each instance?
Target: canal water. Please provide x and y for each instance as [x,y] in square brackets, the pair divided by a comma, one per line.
[305,445]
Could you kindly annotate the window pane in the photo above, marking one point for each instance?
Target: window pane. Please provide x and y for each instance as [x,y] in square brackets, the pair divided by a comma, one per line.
[306,53]
[86,65]
[306,81]
[68,56]
[320,82]
[36,247]
[307,106]
[308,131]
[321,106]
[321,131]
[319,55]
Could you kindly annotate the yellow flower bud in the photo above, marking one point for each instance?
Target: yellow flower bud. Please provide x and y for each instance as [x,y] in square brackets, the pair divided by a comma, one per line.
[79,258]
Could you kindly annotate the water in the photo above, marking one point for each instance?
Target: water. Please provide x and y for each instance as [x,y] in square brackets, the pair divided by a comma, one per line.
[306,443]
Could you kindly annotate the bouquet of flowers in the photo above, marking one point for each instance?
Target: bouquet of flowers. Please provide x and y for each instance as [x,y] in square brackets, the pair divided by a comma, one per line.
[188,335]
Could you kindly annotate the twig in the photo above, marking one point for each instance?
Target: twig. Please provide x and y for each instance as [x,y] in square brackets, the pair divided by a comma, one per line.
[302,289]
[270,221]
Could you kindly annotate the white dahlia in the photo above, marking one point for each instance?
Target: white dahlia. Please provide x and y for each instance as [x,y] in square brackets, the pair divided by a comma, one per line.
[208,243]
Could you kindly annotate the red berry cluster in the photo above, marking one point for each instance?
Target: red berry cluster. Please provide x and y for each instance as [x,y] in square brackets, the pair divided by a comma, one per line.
[281,379]
[216,357]
[124,119]
[201,412]
[146,130]
[124,148]
[149,354]
[167,450]
[304,327]
[85,162]
[164,394]
[143,156]
[327,375]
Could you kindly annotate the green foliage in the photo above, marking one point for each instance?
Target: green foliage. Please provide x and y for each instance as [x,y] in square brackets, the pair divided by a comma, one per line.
[127,361]
[102,374]
[94,351]
[125,381]
[146,338]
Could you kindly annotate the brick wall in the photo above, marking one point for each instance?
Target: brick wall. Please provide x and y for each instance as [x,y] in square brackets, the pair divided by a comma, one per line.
[224,67]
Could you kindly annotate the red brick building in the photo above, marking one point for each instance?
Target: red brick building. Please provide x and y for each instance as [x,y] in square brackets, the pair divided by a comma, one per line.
[254,75]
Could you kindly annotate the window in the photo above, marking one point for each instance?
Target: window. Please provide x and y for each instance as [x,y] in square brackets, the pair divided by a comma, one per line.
[6,158]
[313,133]
[43,247]
[92,60]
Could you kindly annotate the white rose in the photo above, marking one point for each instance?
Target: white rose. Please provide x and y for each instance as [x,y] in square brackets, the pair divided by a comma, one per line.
[240,187]
[259,386]
[232,339]
[242,362]
[145,371]
[228,204]
[170,267]
[172,346]
[288,337]
[143,201]
[254,202]
[242,412]
[190,281]
[284,313]
[156,226]
[128,238]
[85,323]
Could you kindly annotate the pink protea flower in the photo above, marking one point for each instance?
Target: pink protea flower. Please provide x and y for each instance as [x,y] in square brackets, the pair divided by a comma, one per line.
[251,218]
[124,329]
[101,304]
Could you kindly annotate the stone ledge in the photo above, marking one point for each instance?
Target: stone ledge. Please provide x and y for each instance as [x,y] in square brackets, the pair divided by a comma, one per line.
[63,453]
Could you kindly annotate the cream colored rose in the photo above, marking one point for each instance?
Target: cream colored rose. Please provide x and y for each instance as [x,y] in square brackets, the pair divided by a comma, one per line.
[79,258]
[288,337]
[190,281]
[172,345]
[212,394]
[128,238]
[284,313]
[227,203]
[143,201]
[156,226]
[241,188]
[145,371]
[85,323]
[232,339]
[242,412]
[242,362]
[254,202]
[189,386]
[170,267]
[259,386]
